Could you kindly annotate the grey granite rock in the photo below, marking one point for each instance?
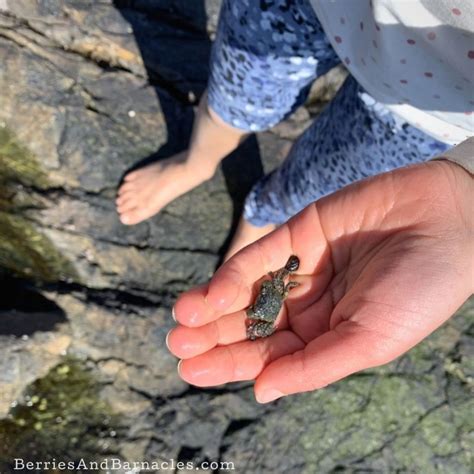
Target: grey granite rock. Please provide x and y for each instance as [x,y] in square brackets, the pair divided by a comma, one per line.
[87,90]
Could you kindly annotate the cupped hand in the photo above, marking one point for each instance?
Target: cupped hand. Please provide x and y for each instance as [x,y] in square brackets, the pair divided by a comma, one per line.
[383,263]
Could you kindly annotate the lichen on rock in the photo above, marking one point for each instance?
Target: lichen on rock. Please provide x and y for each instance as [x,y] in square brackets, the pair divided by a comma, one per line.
[61,416]
[18,165]
[26,252]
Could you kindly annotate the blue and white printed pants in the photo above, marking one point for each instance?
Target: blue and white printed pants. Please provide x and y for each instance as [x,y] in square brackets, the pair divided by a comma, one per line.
[266,55]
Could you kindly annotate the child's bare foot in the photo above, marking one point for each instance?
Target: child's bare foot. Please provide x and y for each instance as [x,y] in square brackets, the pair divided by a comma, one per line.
[147,190]
[246,234]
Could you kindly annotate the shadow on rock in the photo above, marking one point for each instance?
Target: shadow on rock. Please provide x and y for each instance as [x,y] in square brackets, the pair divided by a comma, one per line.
[177,65]
[24,311]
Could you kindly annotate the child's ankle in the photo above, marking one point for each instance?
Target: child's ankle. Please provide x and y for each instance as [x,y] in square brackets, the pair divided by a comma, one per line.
[201,166]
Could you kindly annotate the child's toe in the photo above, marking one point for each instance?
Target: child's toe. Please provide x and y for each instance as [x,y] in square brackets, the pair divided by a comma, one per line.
[131,176]
[135,216]
[126,206]
[129,186]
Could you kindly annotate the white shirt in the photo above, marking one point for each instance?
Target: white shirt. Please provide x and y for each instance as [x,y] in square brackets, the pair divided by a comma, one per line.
[414,56]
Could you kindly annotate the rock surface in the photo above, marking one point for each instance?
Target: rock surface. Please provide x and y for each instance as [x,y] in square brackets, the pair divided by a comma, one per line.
[87,90]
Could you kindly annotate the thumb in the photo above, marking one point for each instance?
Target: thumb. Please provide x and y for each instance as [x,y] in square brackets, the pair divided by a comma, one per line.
[336,354]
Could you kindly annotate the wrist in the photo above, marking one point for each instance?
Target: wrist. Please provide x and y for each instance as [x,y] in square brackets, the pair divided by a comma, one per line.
[461,190]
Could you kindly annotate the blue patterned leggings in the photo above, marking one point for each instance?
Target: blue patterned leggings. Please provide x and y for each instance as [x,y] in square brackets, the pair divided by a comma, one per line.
[265,57]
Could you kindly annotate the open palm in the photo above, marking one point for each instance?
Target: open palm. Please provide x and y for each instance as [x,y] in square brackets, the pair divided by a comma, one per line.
[383,263]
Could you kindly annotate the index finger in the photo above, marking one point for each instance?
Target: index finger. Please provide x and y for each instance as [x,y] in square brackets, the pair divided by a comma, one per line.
[231,287]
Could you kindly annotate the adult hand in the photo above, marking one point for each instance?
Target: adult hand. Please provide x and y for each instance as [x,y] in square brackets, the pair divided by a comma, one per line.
[383,263]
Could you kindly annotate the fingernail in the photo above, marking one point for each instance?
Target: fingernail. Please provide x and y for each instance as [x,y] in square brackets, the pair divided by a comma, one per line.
[269,395]
[166,340]
[173,314]
[178,367]
[124,219]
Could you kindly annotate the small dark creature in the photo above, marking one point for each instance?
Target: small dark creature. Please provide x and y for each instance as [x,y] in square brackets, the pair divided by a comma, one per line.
[263,313]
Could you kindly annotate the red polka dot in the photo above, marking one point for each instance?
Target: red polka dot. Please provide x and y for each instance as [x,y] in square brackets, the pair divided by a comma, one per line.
[347,60]
[431,35]
[403,61]
[470,54]
[403,81]
[468,112]
[436,96]
[361,26]
[456,11]
[411,41]
[375,44]
[338,39]
[428,74]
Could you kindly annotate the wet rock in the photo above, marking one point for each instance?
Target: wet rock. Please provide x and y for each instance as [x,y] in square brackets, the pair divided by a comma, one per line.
[34,336]
[127,343]
[24,360]
[47,424]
